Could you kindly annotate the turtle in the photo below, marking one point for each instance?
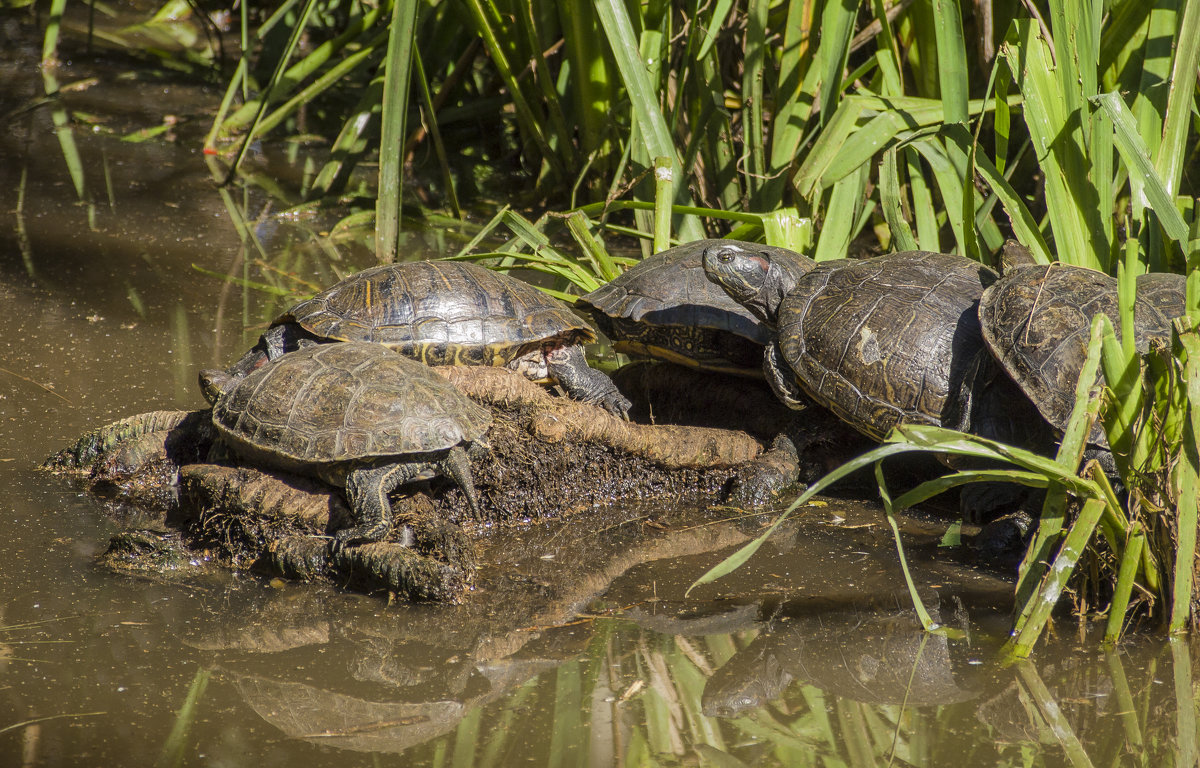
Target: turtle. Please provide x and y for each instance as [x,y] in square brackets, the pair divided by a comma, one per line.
[881,341]
[1167,291]
[887,341]
[664,307]
[445,313]
[358,416]
[1036,321]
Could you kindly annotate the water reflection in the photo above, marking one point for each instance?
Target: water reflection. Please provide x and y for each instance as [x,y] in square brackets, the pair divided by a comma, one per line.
[781,683]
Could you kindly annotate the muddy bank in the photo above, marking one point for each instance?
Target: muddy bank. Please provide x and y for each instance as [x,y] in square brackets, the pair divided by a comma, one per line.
[550,459]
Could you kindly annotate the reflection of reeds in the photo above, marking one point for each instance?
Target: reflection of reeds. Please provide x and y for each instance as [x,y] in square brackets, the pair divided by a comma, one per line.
[177,740]
[1025,715]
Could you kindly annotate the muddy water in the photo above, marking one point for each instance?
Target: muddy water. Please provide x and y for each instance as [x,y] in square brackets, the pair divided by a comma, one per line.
[811,655]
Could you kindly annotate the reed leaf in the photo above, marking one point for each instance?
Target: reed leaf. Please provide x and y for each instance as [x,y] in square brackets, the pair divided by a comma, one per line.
[618,29]
[397,76]
[276,77]
[1137,159]
[837,27]
[1171,153]
[1055,579]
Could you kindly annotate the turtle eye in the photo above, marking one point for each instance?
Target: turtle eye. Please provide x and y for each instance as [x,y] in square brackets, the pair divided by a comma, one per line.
[725,257]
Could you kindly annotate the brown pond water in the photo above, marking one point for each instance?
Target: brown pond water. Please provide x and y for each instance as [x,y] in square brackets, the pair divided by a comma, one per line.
[809,656]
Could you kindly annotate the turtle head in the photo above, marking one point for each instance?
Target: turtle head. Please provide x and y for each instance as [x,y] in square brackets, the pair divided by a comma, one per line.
[751,278]
[214,382]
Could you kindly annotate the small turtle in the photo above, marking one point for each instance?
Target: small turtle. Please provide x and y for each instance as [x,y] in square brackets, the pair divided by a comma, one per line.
[359,417]
[1036,321]
[882,341]
[444,313]
[665,308]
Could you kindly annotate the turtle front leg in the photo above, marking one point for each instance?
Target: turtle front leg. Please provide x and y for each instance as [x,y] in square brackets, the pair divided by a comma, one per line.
[568,366]
[782,379]
[367,492]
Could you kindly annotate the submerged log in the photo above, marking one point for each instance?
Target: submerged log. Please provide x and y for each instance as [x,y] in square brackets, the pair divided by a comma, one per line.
[550,458]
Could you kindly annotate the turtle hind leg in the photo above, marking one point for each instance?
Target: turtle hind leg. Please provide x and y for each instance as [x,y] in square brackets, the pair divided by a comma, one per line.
[568,366]
[457,467]
[367,490]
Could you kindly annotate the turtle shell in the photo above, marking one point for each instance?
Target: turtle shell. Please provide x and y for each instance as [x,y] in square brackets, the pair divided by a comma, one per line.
[887,340]
[441,313]
[665,307]
[1037,320]
[1167,291]
[348,402]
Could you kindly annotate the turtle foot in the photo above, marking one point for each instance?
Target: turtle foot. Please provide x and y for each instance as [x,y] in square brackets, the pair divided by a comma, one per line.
[568,366]
[361,534]
[760,480]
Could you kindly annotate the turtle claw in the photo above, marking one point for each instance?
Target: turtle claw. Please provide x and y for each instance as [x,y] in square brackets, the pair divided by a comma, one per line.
[616,404]
[339,542]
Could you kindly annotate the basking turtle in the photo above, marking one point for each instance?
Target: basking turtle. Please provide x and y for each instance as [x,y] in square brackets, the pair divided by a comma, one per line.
[880,342]
[665,308]
[445,313]
[1167,291]
[1036,321]
[359,417]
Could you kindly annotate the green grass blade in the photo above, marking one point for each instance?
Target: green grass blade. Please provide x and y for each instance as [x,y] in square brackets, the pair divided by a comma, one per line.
[1055,579]
[1186,481]
[926,621]
[327,80]
[786,228]
[825,150]
[280,67]
[397,76]
[664,190]
[1059,725]
[1187,751]
[618,28]
[1058,140]
[435,133]
[793,102]
[847,199]
[950,185]
[893,206]
[1181,100]
[1137,158]
[1070,452]
[930,488]
[264,287]
[236,82]
[922,199]
[176,743]
[350,144]
[744,553]
[753,63]
[596,253]
[1024,226]
[64,132]
[1126,575]
[837,27]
